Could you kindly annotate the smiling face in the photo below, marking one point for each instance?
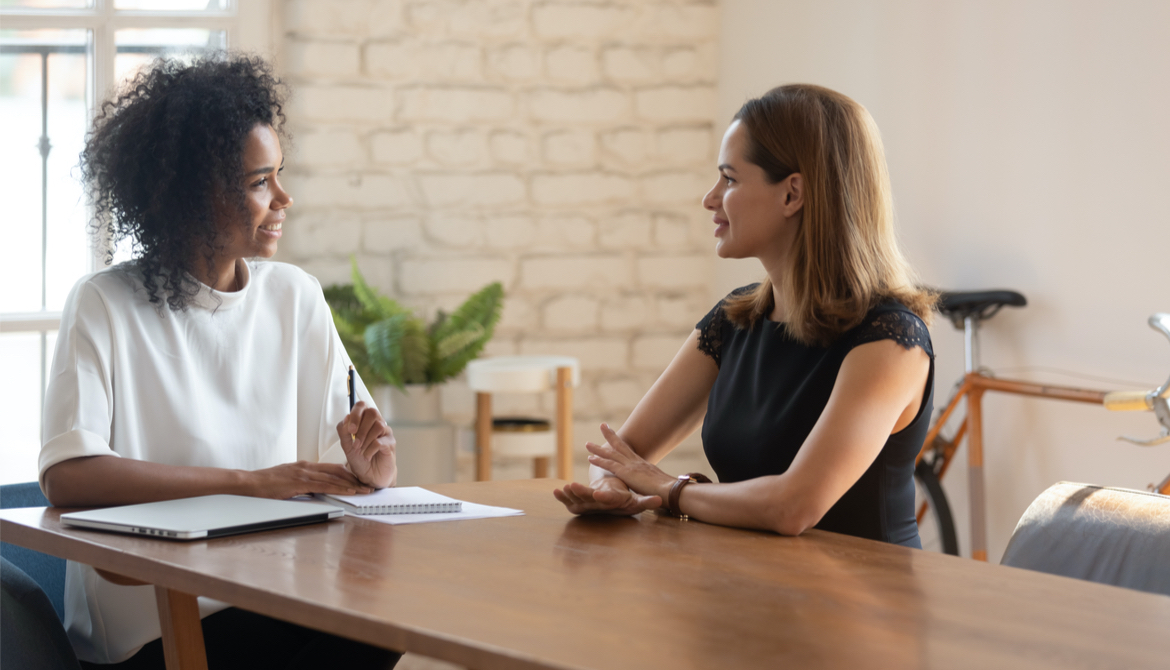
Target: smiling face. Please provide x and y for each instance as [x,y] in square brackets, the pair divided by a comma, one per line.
[264,199]
[753,217]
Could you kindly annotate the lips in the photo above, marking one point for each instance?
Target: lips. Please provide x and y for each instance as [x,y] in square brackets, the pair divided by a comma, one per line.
[273,227]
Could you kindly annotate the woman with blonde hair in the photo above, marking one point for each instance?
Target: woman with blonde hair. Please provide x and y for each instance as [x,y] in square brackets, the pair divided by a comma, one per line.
[813,387]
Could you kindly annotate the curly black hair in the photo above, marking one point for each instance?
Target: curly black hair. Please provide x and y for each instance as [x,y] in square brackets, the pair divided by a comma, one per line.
[164,161]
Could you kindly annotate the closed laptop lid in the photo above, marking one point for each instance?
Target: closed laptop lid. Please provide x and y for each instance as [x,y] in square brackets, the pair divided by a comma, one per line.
[203,516]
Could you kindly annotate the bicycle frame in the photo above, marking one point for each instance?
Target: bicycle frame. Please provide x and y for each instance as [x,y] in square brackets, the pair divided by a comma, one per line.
[974,385]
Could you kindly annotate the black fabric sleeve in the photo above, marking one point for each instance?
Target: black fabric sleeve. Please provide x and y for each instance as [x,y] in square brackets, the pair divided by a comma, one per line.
[899,325]
[711,327]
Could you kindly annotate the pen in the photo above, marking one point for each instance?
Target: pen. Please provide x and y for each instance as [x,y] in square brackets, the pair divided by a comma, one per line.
[349,388]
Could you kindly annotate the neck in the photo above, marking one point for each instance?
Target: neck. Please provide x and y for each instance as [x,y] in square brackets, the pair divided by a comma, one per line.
[225,279]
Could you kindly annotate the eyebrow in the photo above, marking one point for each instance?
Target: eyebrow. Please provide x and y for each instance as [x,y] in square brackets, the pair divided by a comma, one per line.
[263,170]
[726,167]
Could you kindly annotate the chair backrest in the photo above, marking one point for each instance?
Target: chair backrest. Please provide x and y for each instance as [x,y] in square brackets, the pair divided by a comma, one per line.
[1101,534]
[34,638]
[47,571]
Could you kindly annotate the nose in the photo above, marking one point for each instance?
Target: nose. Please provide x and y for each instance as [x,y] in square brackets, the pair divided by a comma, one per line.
[714,197]
[282,200]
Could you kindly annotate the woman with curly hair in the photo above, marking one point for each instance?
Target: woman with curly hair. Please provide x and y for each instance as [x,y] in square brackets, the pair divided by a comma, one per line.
[813,387]
[197,368]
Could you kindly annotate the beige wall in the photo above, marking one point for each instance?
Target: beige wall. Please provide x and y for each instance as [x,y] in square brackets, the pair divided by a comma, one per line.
[1028,144]
[558,147]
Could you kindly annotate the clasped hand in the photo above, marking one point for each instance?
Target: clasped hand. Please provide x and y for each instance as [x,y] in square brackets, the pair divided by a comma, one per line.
[369,446]
[636,485]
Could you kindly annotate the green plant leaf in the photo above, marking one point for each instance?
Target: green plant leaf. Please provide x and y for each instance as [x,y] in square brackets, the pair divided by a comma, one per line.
[461,336]
[373,302]
[398,349]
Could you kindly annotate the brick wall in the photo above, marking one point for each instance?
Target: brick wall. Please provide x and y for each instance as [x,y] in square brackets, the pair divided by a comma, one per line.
[559,147]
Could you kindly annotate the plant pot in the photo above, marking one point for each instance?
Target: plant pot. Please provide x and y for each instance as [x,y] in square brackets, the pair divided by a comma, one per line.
[425,450]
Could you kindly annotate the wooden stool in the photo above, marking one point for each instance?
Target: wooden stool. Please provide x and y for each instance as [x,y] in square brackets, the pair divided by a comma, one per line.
[524,374]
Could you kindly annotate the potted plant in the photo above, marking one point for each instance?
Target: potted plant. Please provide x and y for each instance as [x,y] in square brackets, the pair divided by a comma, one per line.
[390,345]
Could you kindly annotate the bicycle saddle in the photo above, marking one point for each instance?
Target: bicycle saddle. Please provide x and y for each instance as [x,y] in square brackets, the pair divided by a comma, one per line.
[981,305]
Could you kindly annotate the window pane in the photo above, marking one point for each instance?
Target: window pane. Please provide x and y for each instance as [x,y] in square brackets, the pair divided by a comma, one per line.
[173,5]
[136,47]
[27,60]
[20,403]
[47,4]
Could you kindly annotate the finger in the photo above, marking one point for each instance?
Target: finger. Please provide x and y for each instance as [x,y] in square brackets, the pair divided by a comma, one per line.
[606,463]
[370,426]
[614,439]
[354,418]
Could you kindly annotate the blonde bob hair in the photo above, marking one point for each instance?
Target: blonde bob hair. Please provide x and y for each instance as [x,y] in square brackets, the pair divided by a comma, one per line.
[845,258]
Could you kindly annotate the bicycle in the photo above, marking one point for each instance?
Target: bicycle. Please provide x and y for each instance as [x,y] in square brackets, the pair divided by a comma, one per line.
[966,311]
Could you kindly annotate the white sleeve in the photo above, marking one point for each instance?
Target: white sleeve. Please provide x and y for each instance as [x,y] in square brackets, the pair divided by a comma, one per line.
[322,397]
[79,398]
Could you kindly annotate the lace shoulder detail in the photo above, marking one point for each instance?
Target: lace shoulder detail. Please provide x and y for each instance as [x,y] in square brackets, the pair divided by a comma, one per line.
[899,325]
[711,327]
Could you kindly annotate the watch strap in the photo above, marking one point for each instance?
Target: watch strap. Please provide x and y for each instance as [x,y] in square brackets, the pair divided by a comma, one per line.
[676,491]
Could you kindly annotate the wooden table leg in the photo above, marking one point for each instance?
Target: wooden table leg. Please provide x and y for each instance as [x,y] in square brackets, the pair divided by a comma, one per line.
[182,631]
[975,474]
[565,423]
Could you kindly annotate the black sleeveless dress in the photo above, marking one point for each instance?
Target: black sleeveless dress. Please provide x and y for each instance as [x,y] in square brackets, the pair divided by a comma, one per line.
[770,392]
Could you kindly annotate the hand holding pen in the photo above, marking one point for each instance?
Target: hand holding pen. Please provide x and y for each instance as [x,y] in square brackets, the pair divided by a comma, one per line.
[367,441]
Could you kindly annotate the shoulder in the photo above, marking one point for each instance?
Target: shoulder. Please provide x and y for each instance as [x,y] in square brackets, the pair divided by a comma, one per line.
[891,320]
[711,327]
[283,275]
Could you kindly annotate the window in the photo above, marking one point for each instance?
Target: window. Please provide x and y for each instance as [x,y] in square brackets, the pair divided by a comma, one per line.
[57,58]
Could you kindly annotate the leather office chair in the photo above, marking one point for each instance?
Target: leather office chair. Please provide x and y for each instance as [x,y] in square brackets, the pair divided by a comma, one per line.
[1097,533]
[33,595]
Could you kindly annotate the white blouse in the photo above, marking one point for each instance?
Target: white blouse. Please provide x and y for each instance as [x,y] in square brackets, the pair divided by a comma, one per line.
[245,380]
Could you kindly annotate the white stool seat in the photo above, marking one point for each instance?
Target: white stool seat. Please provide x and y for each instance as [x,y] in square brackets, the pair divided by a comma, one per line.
[519,374]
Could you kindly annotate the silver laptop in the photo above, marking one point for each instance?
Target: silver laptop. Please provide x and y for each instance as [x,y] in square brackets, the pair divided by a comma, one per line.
[204,516]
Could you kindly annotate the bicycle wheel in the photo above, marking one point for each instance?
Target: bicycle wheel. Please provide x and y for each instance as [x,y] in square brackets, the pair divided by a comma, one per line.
[937,527]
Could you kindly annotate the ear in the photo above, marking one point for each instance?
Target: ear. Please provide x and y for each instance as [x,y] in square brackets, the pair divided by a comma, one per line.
[792,194]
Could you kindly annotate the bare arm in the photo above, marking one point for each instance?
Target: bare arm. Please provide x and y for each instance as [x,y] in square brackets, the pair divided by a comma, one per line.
[670,411]
[109,480]
[878,392]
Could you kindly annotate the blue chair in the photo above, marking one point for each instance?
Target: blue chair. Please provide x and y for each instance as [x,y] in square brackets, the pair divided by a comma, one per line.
[33,598]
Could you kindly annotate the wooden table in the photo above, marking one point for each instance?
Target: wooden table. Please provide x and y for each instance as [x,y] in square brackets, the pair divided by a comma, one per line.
[550,591]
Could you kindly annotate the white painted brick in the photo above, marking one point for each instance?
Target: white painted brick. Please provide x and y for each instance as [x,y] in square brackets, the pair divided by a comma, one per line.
[455,104]
[571,64]
[602,353]
[676,103]
[519,316]
[446,190]
[655,352]
[342,103]
[452,275]
[625,312]
[581,21]
[674,272]
[675,187]
[566,232]
[444,62]
[620,394]
[575,272]
[385,18]
[594,105]
[327,17]
[689,21]
[686,145]
[573,147]
[489,18]
[396,147]
[327,148]
[362,191]
[683,311]
[516,62]
[309,234]
[500,346]
[571,313]
[509,232]
[389,234]
[581,188]
[628,230]
[509,147]
[323,59]
[700,63]
[671,232]
[457,148]
[455,231]
[627,64]
[627,144]
[328,270]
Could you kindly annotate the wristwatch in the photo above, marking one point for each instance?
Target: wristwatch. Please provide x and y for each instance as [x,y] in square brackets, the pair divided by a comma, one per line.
[676,491]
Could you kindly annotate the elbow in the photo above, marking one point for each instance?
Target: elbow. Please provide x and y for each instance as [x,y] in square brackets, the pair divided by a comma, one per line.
[791,517]
[55,484]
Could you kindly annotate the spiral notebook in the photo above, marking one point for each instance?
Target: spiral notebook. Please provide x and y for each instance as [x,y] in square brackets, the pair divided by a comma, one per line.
[402,500]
